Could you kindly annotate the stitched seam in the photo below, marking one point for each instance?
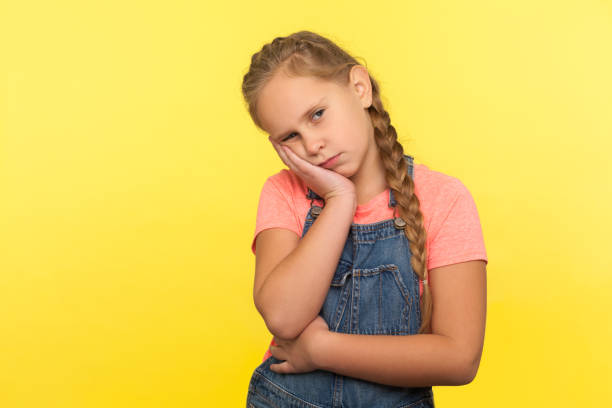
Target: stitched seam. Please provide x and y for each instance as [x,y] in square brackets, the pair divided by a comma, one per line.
[337,392]
[280,389]
[375,271]
[374,240]
[412,404]
[260,395]
[340,308]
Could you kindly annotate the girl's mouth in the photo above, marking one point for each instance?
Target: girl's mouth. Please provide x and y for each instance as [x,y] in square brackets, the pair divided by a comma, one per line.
[330,162]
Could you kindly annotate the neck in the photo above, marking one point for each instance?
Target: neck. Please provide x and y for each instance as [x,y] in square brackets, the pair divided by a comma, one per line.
[370,179]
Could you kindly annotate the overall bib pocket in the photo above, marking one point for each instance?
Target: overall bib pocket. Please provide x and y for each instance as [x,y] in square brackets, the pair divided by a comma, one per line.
[370,301]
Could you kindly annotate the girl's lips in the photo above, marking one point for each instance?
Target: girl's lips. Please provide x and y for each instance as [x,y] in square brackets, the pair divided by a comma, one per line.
[330,162]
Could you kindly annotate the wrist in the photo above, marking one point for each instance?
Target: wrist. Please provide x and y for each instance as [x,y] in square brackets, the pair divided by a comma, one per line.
[347,199]
[322,350]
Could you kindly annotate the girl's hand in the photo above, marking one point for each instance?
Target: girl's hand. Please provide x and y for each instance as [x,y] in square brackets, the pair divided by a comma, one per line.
[326,183]
[298,353]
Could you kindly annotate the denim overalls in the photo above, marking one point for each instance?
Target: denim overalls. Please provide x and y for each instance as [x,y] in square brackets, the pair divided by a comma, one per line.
[374,291]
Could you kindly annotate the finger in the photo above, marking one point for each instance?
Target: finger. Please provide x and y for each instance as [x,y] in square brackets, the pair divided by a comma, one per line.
[275,145]
[289,161]
[281,153]
[277,352]
[282,368]
[290,154]
[299,164]
[280,148]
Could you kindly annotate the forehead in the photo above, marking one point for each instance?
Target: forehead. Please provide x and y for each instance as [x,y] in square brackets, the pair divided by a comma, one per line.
[283,100]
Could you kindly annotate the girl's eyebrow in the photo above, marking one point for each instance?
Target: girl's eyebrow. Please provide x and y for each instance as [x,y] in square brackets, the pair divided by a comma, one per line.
[306,114]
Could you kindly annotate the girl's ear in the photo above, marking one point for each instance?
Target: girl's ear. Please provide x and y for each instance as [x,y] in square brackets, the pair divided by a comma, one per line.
[360,82]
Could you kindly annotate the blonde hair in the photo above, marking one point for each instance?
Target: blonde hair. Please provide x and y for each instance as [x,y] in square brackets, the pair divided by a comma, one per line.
[305,53]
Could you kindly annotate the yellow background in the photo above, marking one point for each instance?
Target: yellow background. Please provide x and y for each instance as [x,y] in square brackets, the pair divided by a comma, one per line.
[130,174]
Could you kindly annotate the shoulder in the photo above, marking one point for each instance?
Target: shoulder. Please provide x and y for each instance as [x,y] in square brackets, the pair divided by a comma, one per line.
[435,187]
[285,186]
[445,202]
[454,233]
[280,204]
[286,182]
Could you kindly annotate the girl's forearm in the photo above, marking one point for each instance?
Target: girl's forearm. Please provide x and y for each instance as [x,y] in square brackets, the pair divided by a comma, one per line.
[419,360]
[294,292]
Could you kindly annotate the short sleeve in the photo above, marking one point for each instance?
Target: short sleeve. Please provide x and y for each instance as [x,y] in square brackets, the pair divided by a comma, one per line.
[458,233]
[275,210]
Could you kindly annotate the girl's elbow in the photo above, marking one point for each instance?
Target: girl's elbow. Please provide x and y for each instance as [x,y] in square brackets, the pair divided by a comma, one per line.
[279,324]
[467,372]
[282,331]
[282,327]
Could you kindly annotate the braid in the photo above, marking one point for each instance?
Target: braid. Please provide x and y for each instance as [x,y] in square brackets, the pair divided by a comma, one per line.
[392,156]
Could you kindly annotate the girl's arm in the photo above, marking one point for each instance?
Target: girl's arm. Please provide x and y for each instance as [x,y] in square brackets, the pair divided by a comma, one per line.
[292,276]
[448,356]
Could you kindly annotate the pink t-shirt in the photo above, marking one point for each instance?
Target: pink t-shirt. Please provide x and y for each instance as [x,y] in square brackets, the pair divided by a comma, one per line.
[451,219]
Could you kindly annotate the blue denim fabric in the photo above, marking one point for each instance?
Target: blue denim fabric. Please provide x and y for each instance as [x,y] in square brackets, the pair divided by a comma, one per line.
[374,291]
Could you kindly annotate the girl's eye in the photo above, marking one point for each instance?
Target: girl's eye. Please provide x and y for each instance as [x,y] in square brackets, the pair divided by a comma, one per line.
[320,110]
[290,135]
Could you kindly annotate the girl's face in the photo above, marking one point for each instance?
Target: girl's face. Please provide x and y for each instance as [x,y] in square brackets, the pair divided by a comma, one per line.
[320,119]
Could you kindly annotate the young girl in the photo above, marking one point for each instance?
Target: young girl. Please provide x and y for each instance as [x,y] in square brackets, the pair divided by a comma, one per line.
[370,269]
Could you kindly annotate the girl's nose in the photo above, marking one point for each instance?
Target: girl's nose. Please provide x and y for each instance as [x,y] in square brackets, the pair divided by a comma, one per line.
[313,144]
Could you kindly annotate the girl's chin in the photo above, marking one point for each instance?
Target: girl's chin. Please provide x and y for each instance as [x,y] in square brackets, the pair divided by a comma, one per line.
[344,172]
